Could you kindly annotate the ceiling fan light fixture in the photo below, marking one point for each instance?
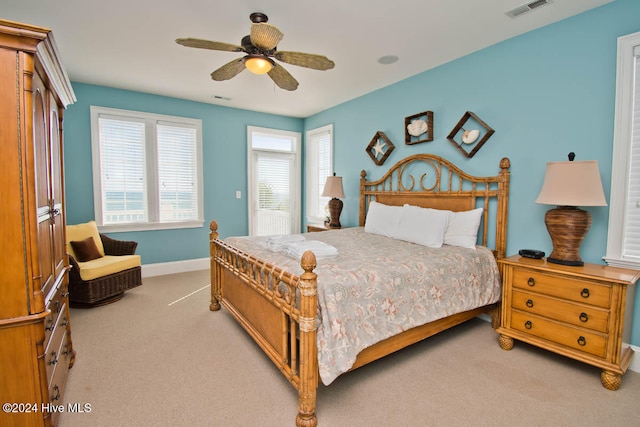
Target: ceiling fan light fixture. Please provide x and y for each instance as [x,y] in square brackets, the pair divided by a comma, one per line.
[258,64]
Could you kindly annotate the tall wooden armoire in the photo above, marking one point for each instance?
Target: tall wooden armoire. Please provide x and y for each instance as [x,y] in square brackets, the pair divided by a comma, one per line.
[35,335]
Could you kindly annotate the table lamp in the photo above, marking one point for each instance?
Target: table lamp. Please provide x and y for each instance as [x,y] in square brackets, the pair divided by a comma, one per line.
[333,189]
[569,185]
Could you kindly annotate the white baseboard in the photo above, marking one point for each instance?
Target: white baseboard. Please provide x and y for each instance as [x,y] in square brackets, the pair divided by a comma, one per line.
[160,269]
[635,361]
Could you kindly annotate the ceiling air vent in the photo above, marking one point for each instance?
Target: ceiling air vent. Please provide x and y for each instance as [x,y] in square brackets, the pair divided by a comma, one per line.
[520,10]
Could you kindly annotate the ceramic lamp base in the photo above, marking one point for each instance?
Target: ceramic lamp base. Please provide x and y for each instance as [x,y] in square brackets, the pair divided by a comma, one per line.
[567,226]
[335,209]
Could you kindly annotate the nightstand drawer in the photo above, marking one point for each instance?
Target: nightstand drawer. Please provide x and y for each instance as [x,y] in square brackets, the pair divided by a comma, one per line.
[562,287]
[566,335]
[568,312]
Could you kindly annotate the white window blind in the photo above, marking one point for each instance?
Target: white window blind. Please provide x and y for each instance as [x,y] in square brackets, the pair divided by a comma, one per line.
[122,177]
[623,241]
[318,166]
[632,223]
[177,168]
[147,170]
[274,194]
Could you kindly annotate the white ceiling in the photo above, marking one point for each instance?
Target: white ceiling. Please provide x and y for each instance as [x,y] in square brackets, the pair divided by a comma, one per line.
[130,44]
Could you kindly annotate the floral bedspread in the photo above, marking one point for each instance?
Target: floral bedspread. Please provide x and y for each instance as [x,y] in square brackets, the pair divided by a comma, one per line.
[378,287]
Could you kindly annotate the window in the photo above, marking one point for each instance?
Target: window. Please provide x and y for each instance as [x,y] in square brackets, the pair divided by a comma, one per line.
[318,166]
[147,171]
[273,177]
[623,244]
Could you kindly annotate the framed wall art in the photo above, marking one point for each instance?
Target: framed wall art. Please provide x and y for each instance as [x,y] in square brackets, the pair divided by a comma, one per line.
[379,148]
[470,134]
[418,128]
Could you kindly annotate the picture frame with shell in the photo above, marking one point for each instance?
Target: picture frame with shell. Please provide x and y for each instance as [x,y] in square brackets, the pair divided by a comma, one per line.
[470,131]
[418,128]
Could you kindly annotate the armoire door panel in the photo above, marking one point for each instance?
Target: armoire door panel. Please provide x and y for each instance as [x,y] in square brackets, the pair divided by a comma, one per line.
[42,150]
[57,190]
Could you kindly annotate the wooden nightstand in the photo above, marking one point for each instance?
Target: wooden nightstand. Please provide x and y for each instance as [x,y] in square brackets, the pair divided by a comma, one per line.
[320,227]
[578,312]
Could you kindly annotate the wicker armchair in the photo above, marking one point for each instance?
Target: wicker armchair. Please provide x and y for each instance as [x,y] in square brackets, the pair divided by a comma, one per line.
[106,289]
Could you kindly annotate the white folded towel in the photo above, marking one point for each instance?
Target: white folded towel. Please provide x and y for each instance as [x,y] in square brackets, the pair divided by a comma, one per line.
[320,249]
[276,243]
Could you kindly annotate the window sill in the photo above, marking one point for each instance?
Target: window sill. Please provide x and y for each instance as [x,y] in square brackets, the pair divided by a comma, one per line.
[119,228]
[633,265]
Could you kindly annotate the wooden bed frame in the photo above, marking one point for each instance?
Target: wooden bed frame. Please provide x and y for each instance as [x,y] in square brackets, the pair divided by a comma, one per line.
[278,308]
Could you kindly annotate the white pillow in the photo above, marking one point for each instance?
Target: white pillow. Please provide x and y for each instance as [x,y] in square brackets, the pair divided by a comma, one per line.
[423,226]
[463,228]
[382,219]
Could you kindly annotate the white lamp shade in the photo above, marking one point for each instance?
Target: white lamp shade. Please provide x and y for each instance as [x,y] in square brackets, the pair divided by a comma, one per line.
[575,183]
[333,187]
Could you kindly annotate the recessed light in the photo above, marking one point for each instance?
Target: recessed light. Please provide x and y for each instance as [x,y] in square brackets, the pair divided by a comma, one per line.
[388,59]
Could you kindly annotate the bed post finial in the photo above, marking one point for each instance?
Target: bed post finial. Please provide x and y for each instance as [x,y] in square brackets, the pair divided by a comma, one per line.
[213,226]
[308,350]
[505,163]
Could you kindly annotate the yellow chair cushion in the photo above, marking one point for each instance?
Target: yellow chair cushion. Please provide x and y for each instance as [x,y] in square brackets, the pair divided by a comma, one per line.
[79,232]
[106,265]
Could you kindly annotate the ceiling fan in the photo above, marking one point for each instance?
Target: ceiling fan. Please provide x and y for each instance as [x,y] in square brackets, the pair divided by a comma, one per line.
[260,47]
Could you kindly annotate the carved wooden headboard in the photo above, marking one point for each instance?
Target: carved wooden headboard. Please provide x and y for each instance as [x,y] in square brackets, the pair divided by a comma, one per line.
[430,181]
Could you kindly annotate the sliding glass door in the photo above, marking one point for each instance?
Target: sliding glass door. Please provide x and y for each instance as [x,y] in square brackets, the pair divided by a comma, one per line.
[274,174]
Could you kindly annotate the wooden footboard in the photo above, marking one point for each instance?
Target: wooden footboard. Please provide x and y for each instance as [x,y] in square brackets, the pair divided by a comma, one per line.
[277,309]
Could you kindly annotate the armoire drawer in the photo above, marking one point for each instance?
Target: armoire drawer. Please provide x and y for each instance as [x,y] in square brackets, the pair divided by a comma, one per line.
[581,291]
[58,381]
[55,307]
[578,339]
[580,315]
[54,347]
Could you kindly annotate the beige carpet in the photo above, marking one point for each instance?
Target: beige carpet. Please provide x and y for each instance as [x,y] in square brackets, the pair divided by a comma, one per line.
[159,357]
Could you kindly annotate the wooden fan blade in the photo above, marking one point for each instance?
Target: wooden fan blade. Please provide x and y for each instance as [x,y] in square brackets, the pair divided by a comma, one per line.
[228,70]
[282,78]
[208,44]
[265,36]
[308,60]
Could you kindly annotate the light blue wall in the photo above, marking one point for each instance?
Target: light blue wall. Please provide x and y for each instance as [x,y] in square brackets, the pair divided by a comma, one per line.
[546,93]
[224,146]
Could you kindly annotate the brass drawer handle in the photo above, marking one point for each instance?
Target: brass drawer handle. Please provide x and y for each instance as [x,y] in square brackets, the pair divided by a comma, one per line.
[49,326]
[584,293]
[531,281]
[528,324]
[582,341]
[529,303]
[584,317]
